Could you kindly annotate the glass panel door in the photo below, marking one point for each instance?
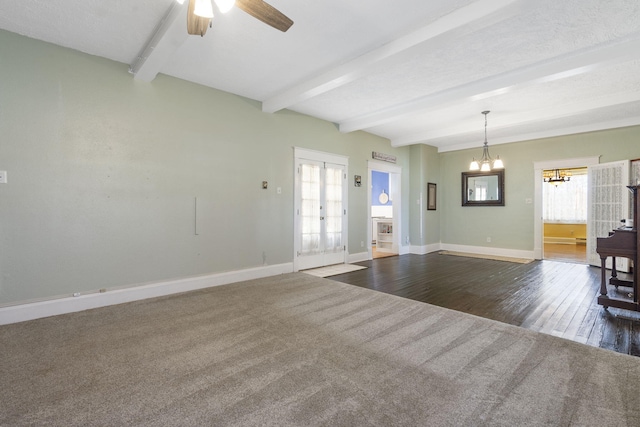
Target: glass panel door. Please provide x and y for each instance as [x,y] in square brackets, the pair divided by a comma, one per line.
[310,209]
[333,212]
[608,204]
[321,214]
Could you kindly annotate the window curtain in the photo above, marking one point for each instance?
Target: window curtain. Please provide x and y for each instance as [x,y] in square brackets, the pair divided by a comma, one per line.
[566,202]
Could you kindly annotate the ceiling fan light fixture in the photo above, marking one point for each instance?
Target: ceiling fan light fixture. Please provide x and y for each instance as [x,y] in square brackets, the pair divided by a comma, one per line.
[225,5]
[203,9]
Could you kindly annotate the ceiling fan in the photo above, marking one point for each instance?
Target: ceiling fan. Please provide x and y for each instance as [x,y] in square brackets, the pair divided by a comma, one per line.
[200,14]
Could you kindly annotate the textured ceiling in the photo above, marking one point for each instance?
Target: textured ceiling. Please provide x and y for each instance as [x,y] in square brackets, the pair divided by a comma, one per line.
[409,70]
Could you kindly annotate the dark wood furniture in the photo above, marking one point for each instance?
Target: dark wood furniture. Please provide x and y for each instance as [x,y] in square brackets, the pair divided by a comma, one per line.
[623,242]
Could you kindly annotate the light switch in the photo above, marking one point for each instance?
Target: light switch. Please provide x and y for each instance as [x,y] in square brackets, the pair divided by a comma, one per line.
[3,177]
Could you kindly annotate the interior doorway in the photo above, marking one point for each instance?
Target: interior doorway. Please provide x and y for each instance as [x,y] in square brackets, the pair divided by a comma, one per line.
[539,167]
[564,214]
[381,215]
[384,210]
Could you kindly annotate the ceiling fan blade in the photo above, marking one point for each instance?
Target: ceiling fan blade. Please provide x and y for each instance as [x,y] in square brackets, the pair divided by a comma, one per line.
[266,13]
[196,25]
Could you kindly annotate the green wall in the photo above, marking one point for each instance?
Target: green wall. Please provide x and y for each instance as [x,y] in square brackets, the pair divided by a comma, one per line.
[104,172]
[425,168]
[512,226]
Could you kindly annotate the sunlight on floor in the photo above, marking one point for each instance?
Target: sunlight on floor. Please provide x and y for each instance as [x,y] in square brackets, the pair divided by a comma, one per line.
[565,253]
[375,254]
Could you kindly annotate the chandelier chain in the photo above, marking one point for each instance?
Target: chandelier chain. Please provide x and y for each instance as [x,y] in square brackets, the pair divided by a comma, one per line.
[486,163]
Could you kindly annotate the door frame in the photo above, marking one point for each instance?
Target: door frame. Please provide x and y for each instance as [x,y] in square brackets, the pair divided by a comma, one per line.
[538,230]
[301,154]
[395,193]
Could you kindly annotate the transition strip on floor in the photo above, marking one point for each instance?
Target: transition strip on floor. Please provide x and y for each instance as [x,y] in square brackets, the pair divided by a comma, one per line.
[333,270]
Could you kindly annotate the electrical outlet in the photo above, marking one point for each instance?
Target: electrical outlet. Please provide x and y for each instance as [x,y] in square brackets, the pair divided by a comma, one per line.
[3,177]
[488,239]
[361,244]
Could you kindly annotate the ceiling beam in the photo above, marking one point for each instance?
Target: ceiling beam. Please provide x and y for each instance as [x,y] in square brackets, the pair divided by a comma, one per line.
[549,113]
[357,68]
[169,35]
[547,133]
[585,61]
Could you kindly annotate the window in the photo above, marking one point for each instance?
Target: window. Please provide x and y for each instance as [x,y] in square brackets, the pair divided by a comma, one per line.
[566,202]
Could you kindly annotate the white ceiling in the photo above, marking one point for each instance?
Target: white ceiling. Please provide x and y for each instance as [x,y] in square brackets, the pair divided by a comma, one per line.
[413,71]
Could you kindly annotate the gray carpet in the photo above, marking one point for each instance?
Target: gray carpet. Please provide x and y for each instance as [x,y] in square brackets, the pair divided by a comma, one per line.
[299,350]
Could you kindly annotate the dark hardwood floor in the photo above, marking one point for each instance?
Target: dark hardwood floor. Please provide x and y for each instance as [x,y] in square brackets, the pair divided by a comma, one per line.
[566,253]
[552,297]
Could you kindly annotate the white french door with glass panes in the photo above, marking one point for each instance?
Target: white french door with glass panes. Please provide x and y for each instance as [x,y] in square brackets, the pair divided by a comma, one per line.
[321,215]
[320,232]
[608,204]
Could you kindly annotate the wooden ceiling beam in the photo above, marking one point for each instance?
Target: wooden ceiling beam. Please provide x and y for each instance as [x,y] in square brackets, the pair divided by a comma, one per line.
[169,35]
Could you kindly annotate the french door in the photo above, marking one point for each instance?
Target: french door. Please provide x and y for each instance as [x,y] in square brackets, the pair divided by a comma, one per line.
[608,203]
[320,214]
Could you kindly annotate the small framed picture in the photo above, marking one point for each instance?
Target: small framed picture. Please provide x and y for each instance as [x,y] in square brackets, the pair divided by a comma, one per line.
[431,196]
[357,180]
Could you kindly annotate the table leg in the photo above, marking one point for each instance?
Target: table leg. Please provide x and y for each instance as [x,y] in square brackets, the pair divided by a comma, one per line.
[603,276]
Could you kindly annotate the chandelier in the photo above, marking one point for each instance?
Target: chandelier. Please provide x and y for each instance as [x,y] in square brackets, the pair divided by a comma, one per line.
[556,177]
[486,162]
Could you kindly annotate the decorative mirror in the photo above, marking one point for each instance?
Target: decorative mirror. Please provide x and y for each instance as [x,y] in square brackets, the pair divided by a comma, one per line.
[483,188]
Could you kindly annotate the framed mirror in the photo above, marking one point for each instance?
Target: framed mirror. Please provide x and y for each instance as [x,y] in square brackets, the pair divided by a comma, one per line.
[483,188]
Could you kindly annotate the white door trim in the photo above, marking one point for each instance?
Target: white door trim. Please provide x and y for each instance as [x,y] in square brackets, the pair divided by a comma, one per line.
[300,154]
[395,192]
[320,156]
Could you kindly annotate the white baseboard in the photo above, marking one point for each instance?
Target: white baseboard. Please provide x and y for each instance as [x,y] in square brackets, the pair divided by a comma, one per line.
[434,247]
[425,249]
[482,250]
[54,307]
[562,240]
[358,257]
[404,250]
